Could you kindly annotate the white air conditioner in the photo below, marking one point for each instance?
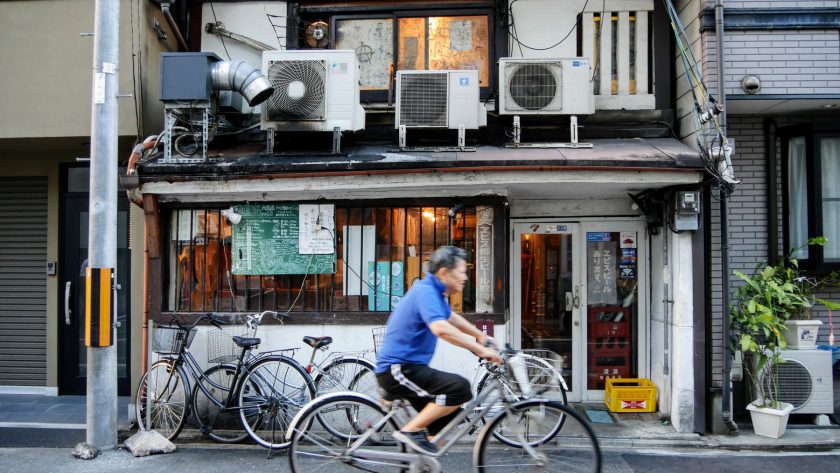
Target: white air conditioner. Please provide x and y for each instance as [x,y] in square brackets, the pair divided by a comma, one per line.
[442,99]
[314,90]
[805,380]
[545,87]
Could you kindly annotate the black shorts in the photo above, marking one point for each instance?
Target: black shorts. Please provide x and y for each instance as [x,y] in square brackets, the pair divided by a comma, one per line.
[421,385]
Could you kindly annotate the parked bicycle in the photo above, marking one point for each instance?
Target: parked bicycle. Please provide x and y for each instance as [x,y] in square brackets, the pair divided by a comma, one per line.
[543,442]
[266,391]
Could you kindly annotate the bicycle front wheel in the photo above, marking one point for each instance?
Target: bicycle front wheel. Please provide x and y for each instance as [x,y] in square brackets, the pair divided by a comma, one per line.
[161,401]
[314,448]
[221,425]
[533,424]
[272,392]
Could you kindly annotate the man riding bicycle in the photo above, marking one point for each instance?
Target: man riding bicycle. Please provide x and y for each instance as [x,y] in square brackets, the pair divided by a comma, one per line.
[420,318]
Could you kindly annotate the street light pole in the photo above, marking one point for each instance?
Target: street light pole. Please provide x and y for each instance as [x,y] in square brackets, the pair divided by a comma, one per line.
[102,240]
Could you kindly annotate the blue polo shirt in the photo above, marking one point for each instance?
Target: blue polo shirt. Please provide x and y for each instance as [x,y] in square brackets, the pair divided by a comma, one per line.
[408,339]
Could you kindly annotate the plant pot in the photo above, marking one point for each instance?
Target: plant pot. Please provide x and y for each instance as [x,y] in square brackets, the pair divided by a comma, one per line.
[802,334]
[769,422]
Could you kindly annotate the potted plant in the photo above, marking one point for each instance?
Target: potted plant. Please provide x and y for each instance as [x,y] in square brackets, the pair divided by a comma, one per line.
[758,334]
[771,297]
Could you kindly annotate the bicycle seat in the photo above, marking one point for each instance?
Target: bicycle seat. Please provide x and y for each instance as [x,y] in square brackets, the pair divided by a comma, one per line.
[317,342]
[245,342]
[385,395]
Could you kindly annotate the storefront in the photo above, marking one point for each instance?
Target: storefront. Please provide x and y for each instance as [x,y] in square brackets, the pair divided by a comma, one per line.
[560,257]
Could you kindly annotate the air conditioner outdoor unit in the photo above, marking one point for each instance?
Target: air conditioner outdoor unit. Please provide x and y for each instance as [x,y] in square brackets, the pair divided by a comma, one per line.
[545,87]
[314,90]
[439,99]
[805,380]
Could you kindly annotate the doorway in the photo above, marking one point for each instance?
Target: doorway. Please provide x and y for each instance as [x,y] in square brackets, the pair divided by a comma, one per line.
[73,263]
[576,292]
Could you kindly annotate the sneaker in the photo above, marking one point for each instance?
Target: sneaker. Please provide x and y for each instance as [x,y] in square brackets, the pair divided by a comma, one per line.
[417,441]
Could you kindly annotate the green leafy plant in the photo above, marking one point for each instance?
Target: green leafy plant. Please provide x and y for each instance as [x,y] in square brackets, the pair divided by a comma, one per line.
[769,297]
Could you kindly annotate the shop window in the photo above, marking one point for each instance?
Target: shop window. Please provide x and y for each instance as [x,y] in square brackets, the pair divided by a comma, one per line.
[380,253]
[811,163]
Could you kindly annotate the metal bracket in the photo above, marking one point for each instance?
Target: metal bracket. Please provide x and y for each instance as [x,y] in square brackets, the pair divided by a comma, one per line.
[573,130]
[336,140]
[517,129]
[462,136]
[269,141]
[402,136]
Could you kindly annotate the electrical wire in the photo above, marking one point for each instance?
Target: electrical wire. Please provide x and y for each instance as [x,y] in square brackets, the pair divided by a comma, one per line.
[216,20]
[514,34]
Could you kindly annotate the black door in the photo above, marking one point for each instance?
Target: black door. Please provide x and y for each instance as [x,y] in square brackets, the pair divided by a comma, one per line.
[72,266]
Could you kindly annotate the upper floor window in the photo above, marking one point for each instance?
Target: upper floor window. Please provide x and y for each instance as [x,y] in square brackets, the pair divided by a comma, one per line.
[433,42]
[812,196]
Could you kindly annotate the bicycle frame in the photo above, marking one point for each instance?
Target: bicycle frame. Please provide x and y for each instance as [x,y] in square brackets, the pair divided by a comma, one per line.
[356,449]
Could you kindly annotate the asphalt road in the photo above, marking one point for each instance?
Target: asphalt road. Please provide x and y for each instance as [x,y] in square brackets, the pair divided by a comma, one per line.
[237,459]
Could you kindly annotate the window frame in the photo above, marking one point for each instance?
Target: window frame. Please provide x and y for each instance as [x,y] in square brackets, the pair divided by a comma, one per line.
[815,263]
[397,13]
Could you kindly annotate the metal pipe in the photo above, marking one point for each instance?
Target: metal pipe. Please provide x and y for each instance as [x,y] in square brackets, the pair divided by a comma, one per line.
[726,401]
[101,417]
[772,191]
[243,78]
[182,43]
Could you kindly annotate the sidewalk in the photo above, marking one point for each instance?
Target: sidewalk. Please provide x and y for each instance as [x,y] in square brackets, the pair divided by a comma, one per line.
[44,421]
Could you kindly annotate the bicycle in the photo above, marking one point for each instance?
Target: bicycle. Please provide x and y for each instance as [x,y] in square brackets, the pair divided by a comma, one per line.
[339,371]
[266,391]
[542,443]
[543,371]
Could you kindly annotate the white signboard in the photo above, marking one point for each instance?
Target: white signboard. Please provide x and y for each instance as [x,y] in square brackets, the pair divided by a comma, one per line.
[317,229]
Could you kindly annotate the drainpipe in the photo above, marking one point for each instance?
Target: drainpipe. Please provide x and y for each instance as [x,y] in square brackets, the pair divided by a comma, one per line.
[182,44]
[726,402]
[772,191]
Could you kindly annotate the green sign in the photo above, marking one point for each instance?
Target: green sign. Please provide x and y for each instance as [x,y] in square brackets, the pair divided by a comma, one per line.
[266,242]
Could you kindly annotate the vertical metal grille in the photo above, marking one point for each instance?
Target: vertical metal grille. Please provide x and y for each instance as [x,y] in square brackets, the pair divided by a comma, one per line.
[23,281]
[380,253]
[423,99]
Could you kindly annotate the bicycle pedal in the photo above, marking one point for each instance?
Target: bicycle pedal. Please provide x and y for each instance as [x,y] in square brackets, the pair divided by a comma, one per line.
[205,429]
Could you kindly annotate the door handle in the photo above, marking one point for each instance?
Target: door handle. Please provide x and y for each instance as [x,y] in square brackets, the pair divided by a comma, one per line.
[67,310]
[576,298]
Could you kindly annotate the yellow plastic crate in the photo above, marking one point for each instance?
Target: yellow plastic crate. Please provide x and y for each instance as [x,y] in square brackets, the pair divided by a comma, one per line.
[630,395]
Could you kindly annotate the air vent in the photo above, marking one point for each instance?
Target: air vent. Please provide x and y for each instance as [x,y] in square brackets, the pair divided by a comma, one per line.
[534,86]
[300,90]
[795,385]
[423,100]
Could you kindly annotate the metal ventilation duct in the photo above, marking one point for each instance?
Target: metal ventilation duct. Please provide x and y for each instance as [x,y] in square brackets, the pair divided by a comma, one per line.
[243,78]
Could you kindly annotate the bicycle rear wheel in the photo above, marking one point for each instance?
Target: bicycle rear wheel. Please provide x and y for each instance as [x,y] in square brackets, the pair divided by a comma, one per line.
[272,392]
[223,426]
[161,401]
[314,448]
[345,374]
[573,448]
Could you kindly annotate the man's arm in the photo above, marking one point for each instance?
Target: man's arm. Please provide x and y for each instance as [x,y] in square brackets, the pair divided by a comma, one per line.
[466,327]
[455,336]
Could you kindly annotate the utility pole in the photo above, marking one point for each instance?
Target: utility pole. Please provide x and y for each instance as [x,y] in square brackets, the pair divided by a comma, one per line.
[102,240]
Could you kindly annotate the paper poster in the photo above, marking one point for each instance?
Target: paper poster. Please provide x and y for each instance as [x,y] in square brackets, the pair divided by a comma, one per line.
[601,267]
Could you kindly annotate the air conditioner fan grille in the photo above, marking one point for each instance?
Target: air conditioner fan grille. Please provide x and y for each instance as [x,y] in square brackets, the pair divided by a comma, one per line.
[531,86]
[795,384]
[299,90]
[423,99]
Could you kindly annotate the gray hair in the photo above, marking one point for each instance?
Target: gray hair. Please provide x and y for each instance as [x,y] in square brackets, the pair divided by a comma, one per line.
[446,257]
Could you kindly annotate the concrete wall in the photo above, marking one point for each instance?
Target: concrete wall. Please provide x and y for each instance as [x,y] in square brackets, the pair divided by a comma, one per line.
[47,67]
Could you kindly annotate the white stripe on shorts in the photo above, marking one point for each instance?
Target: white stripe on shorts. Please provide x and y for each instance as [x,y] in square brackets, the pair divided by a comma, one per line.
[398,375]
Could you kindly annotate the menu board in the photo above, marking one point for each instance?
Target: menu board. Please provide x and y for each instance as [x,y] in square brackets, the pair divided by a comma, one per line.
[266,241]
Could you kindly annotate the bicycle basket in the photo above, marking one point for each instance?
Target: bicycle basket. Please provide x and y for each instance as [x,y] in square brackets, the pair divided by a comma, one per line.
[220,345]
[168,339]
[378,335]
[543,368]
